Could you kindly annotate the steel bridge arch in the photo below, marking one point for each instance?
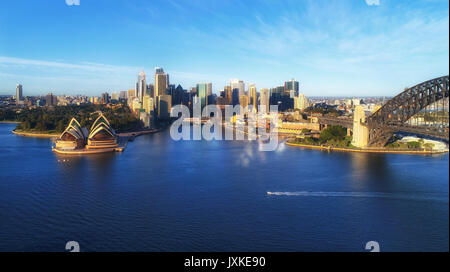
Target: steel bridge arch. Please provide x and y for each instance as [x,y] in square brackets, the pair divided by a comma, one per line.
[397,111]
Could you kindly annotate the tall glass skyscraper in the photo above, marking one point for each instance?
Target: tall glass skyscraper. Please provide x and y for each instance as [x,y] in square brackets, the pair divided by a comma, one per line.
[19,95]
[141,87]
[291,85]
[161,81]
[202,94]
[252,95]
[239,85]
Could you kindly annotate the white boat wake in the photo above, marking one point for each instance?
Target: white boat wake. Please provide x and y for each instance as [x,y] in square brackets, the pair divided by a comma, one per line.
[403,196]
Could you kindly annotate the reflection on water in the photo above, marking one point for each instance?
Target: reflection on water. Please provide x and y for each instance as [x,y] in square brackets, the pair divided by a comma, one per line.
[369,165]
[99,166]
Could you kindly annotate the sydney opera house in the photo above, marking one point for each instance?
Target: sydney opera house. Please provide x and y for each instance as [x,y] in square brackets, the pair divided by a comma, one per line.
[77,140]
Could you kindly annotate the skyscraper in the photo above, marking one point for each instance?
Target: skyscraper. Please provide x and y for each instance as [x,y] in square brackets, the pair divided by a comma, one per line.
[291,85]
[19,95]
[239,85]
[51,100]
[202,94]
[264,99]
[208,89]
[123,95]
[141,87]
[252,95]
[148,105]
[301,102]
[115,97]
[243,101]
[228,94]
[161,81]
[164,106]
[131,94]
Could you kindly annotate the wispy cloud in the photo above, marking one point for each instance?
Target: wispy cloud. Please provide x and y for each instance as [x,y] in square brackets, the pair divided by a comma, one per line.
[373,2]
[100,76]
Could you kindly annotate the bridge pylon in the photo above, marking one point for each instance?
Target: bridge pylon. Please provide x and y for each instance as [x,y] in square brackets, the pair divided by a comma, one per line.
[360,130]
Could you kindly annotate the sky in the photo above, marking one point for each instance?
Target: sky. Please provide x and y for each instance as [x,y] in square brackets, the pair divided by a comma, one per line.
[333,48]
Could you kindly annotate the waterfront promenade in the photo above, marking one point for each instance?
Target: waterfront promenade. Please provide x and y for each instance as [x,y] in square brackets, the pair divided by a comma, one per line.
[369,150]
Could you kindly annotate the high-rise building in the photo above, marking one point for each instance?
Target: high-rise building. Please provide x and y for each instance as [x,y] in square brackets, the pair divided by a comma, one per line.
[123,95]
[264,99]
[136,104]
[301,102]
[252,95]
[202,94]
[105,98]
[131,94]
[239,85]
[178,96]
[161,81]
[208,89]
[148,105]
[291,85]
[51,100]
[115,97]
[228,95]
[243,101]
[164,106]
[141,87]
[19,94]
[150,90]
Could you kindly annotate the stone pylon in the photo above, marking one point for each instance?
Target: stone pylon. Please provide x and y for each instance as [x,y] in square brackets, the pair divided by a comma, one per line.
[360,131]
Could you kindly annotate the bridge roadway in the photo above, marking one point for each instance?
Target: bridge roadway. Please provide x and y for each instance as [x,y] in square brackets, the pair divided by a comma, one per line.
[336,121]
[440,133]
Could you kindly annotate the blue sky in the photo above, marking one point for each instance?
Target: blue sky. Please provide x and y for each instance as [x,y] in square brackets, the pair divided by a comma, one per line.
[349,48]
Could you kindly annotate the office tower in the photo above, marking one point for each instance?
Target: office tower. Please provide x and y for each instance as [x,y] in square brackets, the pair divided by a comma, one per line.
[235,97]
[136,104]
[202,94]
[252,95]
[105,98]
[115,97]
[164,106]
[210,99]
[19,94]
[239,85]
[131,94]
[123,95]
[161,81]
[148,104]
[141,87]
[208,89]
[301,102]
[243,101]
[178,96]
[291,85]
[228,94]
[146,119]
[264,99]
[170,89]
[150,90]
[51,100]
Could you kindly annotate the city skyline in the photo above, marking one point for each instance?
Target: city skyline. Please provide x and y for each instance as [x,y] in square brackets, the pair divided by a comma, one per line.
[333,48]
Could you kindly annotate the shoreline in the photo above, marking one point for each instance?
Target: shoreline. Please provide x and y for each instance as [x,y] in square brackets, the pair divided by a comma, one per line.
[51,135]
[36,135]
[343,149]
[9,122]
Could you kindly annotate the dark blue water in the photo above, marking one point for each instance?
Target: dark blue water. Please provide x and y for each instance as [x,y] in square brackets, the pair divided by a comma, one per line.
[162,195]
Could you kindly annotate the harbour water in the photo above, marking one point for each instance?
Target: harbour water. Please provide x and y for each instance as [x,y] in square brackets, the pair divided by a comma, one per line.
[164,195]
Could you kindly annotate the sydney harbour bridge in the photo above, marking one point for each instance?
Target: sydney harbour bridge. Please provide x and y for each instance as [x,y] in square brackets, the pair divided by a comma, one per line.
[421,110]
